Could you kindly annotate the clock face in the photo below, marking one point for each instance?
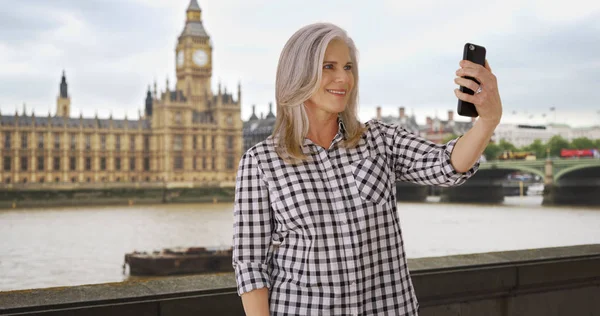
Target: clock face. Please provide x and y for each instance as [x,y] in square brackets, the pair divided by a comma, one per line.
[180,59]
[200,57]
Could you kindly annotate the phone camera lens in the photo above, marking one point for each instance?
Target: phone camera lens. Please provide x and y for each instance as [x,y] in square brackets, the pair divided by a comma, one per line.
[471,47]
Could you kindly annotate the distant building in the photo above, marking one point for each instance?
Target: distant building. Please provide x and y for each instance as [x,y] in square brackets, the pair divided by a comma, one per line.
[436,130]
[592,132]
[257,129]
[407,122]
[187,133]
[521,134]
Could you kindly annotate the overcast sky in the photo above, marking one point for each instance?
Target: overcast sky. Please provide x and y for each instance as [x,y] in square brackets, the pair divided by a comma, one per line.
[544,53]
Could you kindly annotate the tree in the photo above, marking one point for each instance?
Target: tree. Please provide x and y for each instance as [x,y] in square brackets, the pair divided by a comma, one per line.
[505,145]
[556,143]
[582,143]
[449,138]
[597,144]
[492,151]
[537,147]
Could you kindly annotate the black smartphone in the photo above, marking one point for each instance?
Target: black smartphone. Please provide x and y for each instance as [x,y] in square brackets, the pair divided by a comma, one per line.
[476,54]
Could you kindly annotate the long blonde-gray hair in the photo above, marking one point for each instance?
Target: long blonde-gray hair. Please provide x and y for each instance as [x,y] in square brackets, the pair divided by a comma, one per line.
[298,77]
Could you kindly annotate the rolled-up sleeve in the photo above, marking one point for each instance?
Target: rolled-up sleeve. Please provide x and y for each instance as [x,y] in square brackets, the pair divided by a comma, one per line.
[252,227]
[421,161]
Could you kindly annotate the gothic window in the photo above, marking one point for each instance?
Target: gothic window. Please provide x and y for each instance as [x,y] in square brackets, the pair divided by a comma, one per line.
[203,141]
[56,164]
[88,164]
[194,142]
[212,142]
[102,163]
[229,162]
[178,142]
[24,163]
[132,143]
[88,141]
[178,118]
[103,142]
[178,163]
[7,138]
[72,163]
[146,143]
[117,163]
[73,141]
[146,163]
[132,163]
[40,163]
[24,139]
[229,142]
[56,141]
[118,142]
[40,139]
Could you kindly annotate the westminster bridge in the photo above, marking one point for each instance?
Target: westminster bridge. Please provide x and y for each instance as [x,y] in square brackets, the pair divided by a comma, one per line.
[566,182]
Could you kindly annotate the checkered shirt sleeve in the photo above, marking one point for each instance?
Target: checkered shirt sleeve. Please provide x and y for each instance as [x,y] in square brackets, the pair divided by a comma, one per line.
[421,161]
[252,227]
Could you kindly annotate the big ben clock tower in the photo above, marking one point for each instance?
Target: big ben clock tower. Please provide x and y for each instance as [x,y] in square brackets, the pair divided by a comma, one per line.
[194,58]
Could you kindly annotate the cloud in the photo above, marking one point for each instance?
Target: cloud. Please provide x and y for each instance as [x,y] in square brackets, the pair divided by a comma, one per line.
[544,54]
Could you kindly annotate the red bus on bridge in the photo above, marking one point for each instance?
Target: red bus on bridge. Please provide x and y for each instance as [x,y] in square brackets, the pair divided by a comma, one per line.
[578,153]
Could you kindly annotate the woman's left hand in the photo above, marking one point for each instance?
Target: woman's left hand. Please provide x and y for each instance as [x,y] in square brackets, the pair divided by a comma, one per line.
[487,102]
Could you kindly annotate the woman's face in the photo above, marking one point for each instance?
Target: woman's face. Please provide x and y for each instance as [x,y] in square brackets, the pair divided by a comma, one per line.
[336,82]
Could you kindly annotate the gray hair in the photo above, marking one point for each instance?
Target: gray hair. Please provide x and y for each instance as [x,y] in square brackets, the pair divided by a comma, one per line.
[298,77]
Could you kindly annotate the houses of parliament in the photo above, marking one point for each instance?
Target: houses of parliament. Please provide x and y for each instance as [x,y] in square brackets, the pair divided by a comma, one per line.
[187,134]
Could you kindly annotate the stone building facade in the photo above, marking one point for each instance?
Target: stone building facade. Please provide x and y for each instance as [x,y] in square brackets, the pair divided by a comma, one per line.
[187,134]
[258,129]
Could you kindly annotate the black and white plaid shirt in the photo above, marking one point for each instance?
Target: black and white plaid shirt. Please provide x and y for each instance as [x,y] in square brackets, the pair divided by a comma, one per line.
[324,236]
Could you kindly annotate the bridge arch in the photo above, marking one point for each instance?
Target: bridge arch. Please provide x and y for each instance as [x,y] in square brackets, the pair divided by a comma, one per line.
[570,169]
[516,167]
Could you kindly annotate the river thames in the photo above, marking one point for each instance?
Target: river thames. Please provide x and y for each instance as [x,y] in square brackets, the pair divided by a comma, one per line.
[72,246]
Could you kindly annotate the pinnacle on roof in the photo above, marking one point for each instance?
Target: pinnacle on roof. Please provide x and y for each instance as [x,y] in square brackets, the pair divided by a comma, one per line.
[194,6]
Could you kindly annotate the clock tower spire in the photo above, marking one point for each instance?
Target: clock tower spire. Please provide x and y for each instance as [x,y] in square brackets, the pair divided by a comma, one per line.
[63,101]
[194,57]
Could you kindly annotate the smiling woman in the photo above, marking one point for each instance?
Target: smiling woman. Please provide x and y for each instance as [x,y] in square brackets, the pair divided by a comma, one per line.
[315,226]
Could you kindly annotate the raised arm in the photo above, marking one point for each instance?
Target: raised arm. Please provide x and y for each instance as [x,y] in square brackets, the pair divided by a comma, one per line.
[489,106]
[418,160]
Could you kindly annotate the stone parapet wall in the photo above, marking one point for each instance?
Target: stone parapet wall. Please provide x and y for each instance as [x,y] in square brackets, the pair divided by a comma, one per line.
[548,281]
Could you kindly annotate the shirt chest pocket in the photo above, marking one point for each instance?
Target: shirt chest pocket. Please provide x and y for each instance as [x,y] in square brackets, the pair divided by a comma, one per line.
[372,177]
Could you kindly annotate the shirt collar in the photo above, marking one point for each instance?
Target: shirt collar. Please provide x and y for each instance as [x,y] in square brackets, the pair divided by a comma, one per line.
[341,134]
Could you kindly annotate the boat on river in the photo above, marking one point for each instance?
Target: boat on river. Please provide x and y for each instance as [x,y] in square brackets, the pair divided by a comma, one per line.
[180,260]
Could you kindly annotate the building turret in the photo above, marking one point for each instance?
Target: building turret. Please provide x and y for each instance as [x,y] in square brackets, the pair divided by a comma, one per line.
[149,103]
[63,102]
[270,115]
[253,116]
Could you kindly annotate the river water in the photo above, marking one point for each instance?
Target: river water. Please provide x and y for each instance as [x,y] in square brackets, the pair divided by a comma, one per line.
[72,246]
